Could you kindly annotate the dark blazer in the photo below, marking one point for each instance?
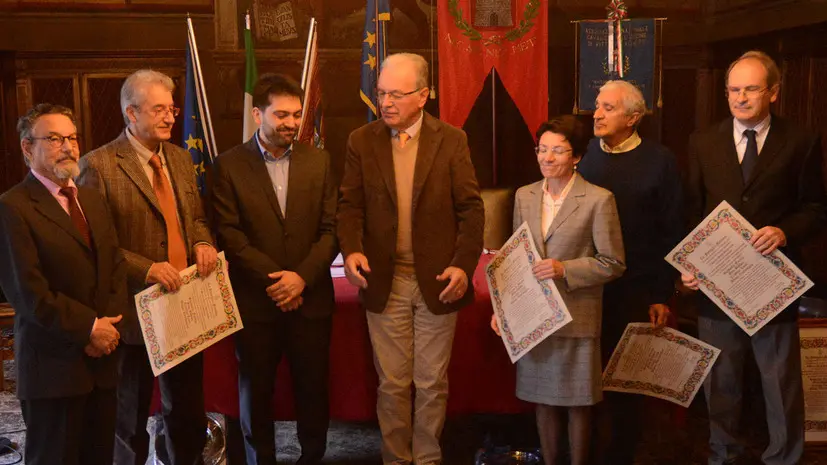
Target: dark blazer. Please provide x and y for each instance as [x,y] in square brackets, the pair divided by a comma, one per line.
[447,213]
[116,172]
[58,286]
[259,240]
[785,189]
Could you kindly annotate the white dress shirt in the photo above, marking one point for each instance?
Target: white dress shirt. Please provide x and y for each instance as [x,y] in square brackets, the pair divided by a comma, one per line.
[761,131]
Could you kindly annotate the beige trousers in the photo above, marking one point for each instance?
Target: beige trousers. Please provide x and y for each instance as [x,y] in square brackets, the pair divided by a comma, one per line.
[411,344]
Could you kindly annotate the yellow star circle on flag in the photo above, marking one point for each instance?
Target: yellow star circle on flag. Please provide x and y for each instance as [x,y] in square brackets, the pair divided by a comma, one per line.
[370,39]
[371,61]
[194,143]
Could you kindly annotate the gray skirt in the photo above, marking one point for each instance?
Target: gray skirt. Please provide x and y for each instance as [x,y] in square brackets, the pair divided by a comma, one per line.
[561,371]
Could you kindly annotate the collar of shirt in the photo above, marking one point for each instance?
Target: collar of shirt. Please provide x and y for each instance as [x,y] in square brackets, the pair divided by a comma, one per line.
[761,129]
[563,193]
[413,130]
[53,188]
[269,157]
[144,154]
[627,145]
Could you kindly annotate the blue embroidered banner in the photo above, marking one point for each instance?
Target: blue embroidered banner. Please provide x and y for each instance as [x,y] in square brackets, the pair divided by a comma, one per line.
[638,59]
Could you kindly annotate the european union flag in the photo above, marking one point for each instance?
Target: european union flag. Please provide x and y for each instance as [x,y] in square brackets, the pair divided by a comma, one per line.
[374,51]
[194,127]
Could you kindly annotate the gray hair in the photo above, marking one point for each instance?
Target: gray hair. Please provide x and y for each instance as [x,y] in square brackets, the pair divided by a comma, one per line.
[773,75]
[418,61]
[633,101]
[132,91]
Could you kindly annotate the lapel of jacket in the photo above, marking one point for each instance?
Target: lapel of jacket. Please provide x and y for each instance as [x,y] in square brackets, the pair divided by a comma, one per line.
[129,162]
[49,207]
[535,210]
[773,145]
[570,204]
[430,136]
[260,176]
[730,163]
[383,152]
[98,230]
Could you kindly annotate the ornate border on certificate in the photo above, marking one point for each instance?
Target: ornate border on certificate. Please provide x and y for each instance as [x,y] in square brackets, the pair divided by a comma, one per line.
[157,358]
[813,336]
[726,218]
[549,325]
[683,396]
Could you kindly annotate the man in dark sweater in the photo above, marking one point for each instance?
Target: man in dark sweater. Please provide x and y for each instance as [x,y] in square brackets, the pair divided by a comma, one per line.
[644,178]
[769,170]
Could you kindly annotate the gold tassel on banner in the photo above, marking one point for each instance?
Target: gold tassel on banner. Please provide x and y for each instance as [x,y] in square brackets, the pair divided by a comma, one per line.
[432,93]
[576,110]
[659,51]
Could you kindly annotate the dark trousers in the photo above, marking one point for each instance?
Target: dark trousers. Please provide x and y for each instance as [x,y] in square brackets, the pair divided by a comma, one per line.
[260,346]
[78,430]
[777,351]
[622,304]
[182,409]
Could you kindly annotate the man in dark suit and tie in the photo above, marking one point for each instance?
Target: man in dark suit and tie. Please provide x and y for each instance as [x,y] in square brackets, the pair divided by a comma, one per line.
[149,185]
[769,170]
[63,273]
[275,210]
[410,223]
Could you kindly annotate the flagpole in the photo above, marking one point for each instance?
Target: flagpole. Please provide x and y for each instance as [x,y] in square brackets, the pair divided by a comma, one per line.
[203,105]
[310,34]
[309,59]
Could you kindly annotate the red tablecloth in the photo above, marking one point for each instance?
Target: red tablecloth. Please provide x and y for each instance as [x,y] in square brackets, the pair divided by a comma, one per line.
[481,376]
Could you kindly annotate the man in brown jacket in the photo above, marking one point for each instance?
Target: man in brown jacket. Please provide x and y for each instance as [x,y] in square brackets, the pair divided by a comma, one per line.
[410,225]
[149,185]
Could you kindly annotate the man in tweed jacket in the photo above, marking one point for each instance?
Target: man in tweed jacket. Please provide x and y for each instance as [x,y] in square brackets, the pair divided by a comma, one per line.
[128,172]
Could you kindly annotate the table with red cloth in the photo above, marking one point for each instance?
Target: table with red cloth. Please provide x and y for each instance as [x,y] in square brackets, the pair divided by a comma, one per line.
[481,376]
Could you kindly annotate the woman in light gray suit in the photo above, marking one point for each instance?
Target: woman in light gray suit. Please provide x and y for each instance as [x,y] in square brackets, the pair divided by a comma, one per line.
[577,232]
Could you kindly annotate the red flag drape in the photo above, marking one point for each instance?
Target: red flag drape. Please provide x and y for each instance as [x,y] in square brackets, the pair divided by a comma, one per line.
[477,35]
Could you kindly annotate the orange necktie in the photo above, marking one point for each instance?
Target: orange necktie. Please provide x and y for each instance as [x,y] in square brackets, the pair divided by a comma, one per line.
[176,249]
[404,137]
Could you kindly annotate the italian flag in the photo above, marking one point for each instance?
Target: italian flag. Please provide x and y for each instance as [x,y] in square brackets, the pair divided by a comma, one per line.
[252,74]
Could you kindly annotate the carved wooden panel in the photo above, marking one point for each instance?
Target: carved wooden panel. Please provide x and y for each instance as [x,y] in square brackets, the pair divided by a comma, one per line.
[795,91]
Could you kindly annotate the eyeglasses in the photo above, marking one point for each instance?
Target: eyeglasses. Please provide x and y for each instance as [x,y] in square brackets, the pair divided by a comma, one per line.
[395,95]
[56,140]
[749,91]
[161,111]
[542,150]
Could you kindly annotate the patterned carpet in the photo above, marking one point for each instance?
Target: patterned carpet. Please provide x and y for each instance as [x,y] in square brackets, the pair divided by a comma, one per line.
[673,436]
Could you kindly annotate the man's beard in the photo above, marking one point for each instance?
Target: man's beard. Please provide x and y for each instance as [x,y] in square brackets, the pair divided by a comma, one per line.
[66,171]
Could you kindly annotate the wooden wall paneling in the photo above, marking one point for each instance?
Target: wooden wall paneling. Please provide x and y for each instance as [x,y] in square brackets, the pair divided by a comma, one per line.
[57,89]
[11,163]
[678,112]
[104,120]
[795,97]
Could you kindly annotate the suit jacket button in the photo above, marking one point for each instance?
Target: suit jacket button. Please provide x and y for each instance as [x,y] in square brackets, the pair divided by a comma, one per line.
[163,244]
[745,198]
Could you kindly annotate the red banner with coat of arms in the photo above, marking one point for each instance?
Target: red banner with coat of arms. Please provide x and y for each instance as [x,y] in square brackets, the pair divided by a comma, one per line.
[508,35]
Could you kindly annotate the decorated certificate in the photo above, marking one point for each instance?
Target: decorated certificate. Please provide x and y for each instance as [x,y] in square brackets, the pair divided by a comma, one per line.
[178,325]
[814,371]
[527,309]
[750,288]
[659,362]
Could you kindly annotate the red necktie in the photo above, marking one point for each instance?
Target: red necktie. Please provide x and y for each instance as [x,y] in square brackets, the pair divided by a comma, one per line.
[76,215]
[176,250]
